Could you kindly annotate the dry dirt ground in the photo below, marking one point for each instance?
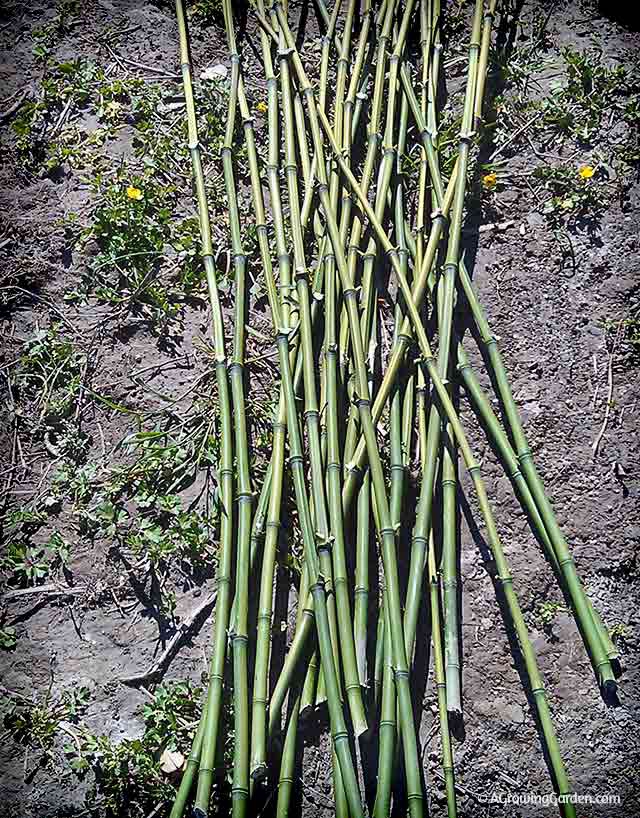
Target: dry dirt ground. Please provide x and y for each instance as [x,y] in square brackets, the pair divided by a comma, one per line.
[86,601]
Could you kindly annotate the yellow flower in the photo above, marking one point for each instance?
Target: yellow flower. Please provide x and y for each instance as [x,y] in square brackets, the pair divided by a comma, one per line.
[134,193]
[586,171]
[490,180]
[262,107]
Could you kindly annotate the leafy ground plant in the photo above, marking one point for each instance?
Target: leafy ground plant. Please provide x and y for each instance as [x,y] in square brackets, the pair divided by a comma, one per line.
[575,194]
[140,507]
[27,564]
[45,389]
[35,724]
[136,776]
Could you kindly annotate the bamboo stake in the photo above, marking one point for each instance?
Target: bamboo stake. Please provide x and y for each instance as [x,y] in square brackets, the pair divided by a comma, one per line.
[441,686]
[592,627]
[244,494]
[211,712]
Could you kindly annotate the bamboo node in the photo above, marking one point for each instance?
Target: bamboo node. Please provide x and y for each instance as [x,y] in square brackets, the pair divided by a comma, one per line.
[340,736]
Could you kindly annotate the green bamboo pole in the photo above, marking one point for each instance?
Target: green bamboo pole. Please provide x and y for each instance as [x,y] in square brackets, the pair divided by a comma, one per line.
[430,27]
[260,699]
[509,458]
[191,769]
[286,780]
[361,589]
[265,608]
[378,662]
[211,712]
[397,457]
[412,764]
[257,528]
[420,538]
[244,494]
[387,728]
[484,61]
[441,686]
[284,264]
[334,483]
[193,760]
[592,627]
[311,414]
[368,318]
[450,570]
[503,574]
[334,468]
[294,657]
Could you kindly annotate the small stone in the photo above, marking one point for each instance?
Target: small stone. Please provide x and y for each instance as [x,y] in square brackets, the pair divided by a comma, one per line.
[215,72]
[513,713]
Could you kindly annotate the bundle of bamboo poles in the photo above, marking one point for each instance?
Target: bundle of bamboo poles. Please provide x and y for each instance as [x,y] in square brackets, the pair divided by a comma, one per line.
[348,227]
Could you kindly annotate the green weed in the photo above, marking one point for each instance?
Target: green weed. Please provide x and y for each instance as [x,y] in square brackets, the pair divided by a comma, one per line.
[575,193]
[129,777]
[8,638]
[547,613]
[46,385]
[26,563]
[35,723]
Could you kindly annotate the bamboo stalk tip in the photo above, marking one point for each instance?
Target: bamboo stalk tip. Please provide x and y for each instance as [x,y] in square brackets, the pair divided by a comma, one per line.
[610,691]
[361,728]
[259,772]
